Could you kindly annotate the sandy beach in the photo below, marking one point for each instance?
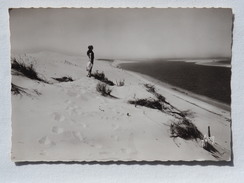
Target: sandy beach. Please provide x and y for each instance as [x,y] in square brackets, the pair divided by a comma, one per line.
[71,121]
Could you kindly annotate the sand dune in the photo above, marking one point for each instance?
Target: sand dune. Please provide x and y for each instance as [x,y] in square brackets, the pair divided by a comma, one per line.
[71,121]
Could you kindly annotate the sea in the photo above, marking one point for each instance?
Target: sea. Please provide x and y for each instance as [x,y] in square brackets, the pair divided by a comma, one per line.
[207,78]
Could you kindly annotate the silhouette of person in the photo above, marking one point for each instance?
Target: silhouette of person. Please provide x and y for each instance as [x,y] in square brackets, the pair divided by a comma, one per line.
[90,54]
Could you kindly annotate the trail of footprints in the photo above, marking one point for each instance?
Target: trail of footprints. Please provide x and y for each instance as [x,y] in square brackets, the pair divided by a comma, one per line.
[75,135]
[71,109]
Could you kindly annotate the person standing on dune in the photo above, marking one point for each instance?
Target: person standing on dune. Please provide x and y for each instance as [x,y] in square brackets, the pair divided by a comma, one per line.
[90,54]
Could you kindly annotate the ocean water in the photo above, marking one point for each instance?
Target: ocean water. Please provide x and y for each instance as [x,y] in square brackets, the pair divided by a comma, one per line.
[206,80]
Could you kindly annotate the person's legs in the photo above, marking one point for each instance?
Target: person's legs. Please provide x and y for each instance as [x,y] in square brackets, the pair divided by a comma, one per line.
[89,73]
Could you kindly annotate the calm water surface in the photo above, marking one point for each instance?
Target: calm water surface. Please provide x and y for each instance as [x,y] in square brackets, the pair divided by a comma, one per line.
[210,81]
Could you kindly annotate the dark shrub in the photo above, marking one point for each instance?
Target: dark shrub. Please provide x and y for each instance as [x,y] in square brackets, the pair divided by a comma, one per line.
[27,71]
[161,98]
[101,77]
[103,89]
[17,90]
[185,129]
[150,103]
[151,89]
[64,79]
[187,113]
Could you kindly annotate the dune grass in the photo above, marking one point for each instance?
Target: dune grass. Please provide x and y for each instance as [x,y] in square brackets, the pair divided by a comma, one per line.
[166,105]
[103,89]
[147,102]
[151,89]
[185,129]
[101,77]
[27,70]
[17,90]
[64,79]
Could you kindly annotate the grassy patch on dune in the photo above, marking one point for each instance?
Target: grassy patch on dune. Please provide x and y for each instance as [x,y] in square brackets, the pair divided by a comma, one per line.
[17,90]
[103,89]
[157,103]
[167,107]
[64,79]
[148,102]
[185,129]
[26,70]
[101,77]
[151,89]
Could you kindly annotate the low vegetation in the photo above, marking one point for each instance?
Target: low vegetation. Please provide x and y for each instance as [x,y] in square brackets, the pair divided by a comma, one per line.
[103,89]
[167,107]
[120,83]
[148,102]
[37,92]
[17,90]
[185,129]
[151,89]
[101,77]
[26,70]
[64,79]
[157,103]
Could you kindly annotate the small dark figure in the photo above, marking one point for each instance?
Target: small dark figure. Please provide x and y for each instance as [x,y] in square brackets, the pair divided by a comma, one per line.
[90,54]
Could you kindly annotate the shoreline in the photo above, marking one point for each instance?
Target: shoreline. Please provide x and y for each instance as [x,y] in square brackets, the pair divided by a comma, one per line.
[172,88]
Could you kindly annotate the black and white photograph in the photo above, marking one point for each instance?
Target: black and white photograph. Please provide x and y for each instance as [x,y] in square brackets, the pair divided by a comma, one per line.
[121,84]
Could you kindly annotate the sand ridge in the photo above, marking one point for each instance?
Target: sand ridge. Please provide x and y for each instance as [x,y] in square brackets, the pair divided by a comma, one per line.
[71,121]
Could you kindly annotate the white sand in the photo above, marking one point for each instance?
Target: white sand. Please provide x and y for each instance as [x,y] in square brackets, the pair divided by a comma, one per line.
[71,121]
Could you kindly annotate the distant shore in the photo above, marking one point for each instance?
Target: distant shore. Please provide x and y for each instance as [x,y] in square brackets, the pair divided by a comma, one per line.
[173,88]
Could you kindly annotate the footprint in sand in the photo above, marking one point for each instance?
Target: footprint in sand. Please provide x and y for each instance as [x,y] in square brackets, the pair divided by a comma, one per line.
[115,127]
[61,89]
[57,130]
[79,111]
[58,117]
[71,110]
[120,114]
[68,101]
[131,149]
[73,94]
[84,125]
[98,146]
[115,137]
[78,135]
[46,141]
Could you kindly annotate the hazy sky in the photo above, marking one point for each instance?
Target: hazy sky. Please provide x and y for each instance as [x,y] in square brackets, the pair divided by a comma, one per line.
[124,33]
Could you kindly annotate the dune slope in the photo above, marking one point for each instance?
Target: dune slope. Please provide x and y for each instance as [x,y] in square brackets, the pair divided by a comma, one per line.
[71,121]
